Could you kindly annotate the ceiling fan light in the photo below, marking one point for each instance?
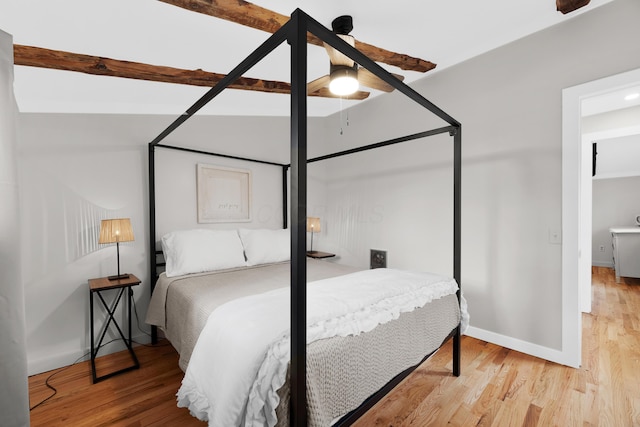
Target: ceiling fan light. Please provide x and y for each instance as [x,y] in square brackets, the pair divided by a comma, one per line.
[344,80]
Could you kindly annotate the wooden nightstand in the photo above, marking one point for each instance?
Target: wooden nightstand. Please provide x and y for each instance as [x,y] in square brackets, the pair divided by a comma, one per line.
[319,255]
[96,287]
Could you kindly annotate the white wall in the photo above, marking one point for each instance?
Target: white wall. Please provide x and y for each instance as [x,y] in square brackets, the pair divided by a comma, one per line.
[616,203]
[176,198]
[78,169]
[390,199]
[509,102]
[75,171]
[618,157]
[251,137]
[614,200]
[617,134]
[14,393]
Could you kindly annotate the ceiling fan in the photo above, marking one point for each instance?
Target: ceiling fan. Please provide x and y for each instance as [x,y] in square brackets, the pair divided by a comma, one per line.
[345,75]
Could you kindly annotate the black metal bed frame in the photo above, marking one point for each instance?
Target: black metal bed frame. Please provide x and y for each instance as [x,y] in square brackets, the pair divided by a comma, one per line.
[294,32]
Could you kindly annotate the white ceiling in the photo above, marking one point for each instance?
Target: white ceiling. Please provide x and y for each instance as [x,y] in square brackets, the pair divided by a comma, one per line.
[444,32]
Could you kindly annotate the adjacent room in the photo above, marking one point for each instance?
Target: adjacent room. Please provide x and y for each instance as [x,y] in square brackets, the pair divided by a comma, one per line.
[490,152]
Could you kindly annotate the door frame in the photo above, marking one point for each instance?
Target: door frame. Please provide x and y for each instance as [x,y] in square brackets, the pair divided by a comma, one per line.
[576,247]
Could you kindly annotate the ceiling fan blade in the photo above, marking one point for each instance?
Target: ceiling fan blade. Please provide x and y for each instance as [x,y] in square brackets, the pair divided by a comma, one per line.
[367,78]
[317,84]
[338,58]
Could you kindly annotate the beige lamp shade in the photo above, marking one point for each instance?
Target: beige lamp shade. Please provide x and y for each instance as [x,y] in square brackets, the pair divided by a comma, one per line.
[115,231]
[313,224]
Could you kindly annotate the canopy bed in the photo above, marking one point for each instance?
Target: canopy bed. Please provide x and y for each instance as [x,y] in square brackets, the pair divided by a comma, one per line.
[298,270]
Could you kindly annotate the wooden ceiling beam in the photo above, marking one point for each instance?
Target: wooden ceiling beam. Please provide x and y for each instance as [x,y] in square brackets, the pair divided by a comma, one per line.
[251,15]
[96,65]
[566,6]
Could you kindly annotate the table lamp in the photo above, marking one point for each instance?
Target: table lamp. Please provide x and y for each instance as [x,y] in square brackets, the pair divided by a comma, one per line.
[116,231]
[313,226]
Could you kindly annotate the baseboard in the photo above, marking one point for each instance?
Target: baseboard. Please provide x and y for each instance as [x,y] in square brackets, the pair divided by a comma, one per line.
[602,264]
[59,360]
[546,353]
[36,366]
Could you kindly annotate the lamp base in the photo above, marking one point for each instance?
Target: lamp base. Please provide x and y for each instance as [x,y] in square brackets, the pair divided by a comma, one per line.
[118,277]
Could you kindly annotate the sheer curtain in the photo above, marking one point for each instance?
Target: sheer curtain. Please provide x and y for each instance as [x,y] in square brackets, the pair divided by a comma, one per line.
[14,392]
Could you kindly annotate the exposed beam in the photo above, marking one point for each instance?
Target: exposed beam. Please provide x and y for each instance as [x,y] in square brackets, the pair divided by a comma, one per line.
[60,60]
[251,15]
[566,6]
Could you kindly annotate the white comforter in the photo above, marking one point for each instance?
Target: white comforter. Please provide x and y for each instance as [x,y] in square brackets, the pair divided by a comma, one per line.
[241,359]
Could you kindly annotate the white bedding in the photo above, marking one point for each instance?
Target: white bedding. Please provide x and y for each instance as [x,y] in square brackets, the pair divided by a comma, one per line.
[235,372]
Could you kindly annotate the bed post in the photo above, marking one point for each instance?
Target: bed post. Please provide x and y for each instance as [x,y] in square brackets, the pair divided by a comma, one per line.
[285,185]
[457,235]
[152,232]
[298,40]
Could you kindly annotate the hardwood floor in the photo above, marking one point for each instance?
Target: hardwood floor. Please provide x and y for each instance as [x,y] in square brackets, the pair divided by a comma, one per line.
[498,387]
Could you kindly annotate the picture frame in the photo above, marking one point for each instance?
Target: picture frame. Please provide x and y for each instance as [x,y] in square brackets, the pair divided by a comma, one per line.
[224,194]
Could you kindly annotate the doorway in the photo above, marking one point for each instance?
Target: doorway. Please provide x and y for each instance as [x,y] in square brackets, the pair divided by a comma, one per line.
[576,208]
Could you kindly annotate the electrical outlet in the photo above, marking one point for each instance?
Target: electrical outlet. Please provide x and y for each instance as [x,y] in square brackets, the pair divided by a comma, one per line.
[378,258]
[555,236]
[601,248]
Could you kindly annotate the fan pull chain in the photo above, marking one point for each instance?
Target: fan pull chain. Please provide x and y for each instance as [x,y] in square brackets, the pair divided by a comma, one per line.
[341,131]
[346,117]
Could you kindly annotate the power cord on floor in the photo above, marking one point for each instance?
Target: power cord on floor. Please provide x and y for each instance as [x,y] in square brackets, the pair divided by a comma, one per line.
[59,370]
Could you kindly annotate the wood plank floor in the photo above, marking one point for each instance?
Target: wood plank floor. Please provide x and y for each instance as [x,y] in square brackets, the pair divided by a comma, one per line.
[498,387]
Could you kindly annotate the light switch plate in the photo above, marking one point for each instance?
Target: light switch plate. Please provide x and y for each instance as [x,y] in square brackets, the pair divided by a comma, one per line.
[378,258]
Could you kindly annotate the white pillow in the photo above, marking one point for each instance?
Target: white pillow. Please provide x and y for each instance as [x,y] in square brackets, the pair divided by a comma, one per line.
[195,251]
[266,246]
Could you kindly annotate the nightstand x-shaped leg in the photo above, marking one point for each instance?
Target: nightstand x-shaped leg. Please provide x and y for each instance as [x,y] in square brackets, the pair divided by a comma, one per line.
[111,320]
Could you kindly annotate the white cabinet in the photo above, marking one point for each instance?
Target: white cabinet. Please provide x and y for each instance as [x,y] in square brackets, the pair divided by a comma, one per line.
[626,251]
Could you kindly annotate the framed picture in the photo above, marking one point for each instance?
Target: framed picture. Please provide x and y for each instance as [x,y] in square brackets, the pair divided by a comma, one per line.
[224,194]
